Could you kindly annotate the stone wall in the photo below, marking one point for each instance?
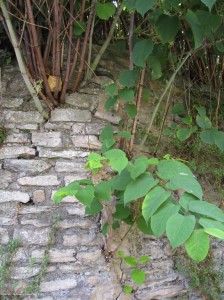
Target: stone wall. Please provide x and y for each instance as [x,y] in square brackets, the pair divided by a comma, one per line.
[37,158]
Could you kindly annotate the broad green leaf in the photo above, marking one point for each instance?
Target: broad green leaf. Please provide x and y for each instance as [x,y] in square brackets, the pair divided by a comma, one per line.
[142,6]
[187,120]
[203,122]
[105,229]
[102,191]
[69,190]
[129,77]
[138,276]
[178,109]
[121,181]
[131,261]
[112,89]
[94,161]
[209,22]
[209,3]
[107,133]
[146,92]
[219,141]
[215,232]
[86,195]
[138,167]
[154,64]
[172,168]
[117,159]
[160,218]
[183,134]
[209,223]
[94,208]
[141,51]
[153,161]
[105,10]
[127,289]
[207,209]
[115,225]
[126,94]
[124,134]
[179,228]
[110,102]
[79,27]
[167,28]
[197,245]
[131,110]
[130,4]
[185,199]
[195,25]
[153,200]
[143,259]
[120,254]
[122,212]
[209,136]
[143,226]
[139,187]
[201,110]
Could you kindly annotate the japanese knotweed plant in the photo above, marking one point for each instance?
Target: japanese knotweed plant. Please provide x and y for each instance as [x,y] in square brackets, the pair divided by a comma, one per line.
[168,194]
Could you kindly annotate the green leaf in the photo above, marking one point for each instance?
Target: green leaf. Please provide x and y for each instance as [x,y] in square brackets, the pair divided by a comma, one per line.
[187,120]
[86,195]
[195,25]
[143,259]
[110,102]
[117,159]
[127,289]
[121,181]
[126,94]
[94,208]
[183,134]
[138,167]
[138,276]
[219,140]
[167,28]
[112,89]
[105,229]
[143,226]
[215,232]
[197,245]
[122,212]
[128,77]
[131,261]
[120,254]
[209,3]
[160,218]
[209,223]
[179,229]
[107,133]
[142,6]
[178,109]
[207,209]
[141,51]
[154,63]
[124,134]
[79,27]
[209,22]
[131,110]
[115,225]
[153,161]
[103,191]
[139,187]
[94,161]
[172,168]
[153,200]
[209,136]
[185,199]
[105,10]
[203,122]
[69,190]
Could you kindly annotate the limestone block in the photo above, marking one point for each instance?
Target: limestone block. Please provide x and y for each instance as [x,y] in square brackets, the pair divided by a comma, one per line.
[57,285]
[4,236]
[90,256]
[161,293]
[45,180]
[27,126]
[95,128]
[5,179]
[7,196]
[47,139]
[11,103]
[36,209]
[76,223]
[35,222]
[108,116]
[30,166]
[19,138]
[19,273]
[69,166]
[58,126]
[56,255]
[19,117]
[62,154]
[77,209]
[38,196]
[79,128]
[73,268]
[70,115]
[80,239]
[13,152]
[7,221]
[82,100]
[86,141]
[32,236]
[70,178]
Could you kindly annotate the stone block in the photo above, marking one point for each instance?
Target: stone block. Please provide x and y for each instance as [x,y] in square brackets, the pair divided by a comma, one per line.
[90,256]
[8,196]
[30,127]
[7,221]
[70,115]
[4,236]
[82,100]
[70,178]
[38,196]
[80,239]
[58,285]
[31,166]
[108,116]
[47,153]
[32,236]
[5,179]
[69,166]
[19,152]
[35,222]
[20,273]
[166,292]
[77,223]
[77,210]
[19,117]
[79,128]
[58,126]
[11,103]
[19,138]
[73,268]
[95,128]
[86,141]
[36,209]
[45,180]
[56,255]
[47,139]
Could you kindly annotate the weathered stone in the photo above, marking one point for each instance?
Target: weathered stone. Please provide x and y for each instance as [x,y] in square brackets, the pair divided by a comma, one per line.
[17,86]
[19,138]
[35,222]
[80,239]
[90,256]
[7,221]
[107,116]
[69,166]
[12,103]
[76,223]
[73,268]
[70,115]
[71,178]
[4,236]
[27,126]
[95,128]
[6,196]
[18,117]
[79,128]
[13,152]
[31,166]
[58,126]
[62,154]
[36,209]
[20,273]
[45,180]
[47,139]
[58,285]
[81,100]
[102,80]
[5,179]
[166,292]
[93,281]
[56,255]
[87,142]
[38,196]
[32,236]
[77,210]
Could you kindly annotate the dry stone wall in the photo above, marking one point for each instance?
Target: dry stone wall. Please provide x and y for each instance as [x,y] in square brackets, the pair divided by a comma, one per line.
[36,159]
